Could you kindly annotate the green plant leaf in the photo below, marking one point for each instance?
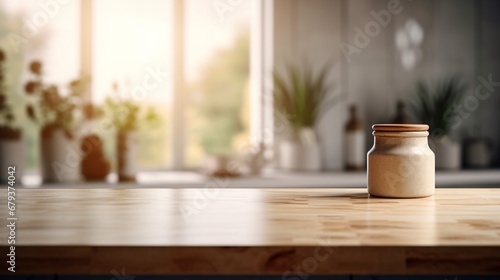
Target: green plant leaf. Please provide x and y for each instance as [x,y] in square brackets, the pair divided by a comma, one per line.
[304,99]
[432,107]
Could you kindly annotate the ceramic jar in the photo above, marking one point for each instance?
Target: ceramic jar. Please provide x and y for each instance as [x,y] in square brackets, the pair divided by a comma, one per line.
[400,163]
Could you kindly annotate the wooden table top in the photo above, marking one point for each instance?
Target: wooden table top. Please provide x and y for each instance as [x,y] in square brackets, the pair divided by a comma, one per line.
[278,225]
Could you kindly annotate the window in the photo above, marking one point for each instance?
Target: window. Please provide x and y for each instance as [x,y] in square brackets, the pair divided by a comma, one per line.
[129,40]
[217,67]
[129,43]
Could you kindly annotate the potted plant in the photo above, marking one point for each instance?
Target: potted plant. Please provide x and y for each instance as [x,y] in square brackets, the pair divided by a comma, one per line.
[11,141]
[301,97]
[433,107]
[126,119]
[55,114]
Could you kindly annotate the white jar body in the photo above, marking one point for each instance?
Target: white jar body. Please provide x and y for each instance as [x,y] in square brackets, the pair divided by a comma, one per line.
[401,165]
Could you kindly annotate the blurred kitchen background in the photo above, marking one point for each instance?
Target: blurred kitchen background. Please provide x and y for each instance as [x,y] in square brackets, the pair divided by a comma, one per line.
[201,73]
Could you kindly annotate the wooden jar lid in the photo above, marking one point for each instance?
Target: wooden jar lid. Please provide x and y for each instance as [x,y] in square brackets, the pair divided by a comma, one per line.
[400,127]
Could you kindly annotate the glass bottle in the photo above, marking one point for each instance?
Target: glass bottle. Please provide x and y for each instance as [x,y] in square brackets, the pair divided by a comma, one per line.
[401,115]
[355,152]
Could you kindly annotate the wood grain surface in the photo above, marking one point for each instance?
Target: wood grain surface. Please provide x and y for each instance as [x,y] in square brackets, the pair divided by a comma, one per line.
[248,231]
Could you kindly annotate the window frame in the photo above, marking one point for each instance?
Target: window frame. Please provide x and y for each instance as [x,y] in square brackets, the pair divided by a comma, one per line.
[261,116]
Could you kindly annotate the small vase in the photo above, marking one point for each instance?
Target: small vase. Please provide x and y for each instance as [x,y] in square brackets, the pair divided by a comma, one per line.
[12,153]
[302,154]
[127,151]
[448,153]
[478,153]
[60,157]
[94,165]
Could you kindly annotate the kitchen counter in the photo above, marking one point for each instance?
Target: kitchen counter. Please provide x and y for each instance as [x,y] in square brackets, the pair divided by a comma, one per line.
[274,179]
[216,230]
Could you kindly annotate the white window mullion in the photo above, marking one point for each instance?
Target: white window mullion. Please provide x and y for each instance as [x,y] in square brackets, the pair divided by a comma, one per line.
[261,124]
[256,73]
[267,69]
[178,98]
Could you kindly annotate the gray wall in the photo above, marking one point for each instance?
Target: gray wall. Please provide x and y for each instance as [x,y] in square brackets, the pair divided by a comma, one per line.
[461,37]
